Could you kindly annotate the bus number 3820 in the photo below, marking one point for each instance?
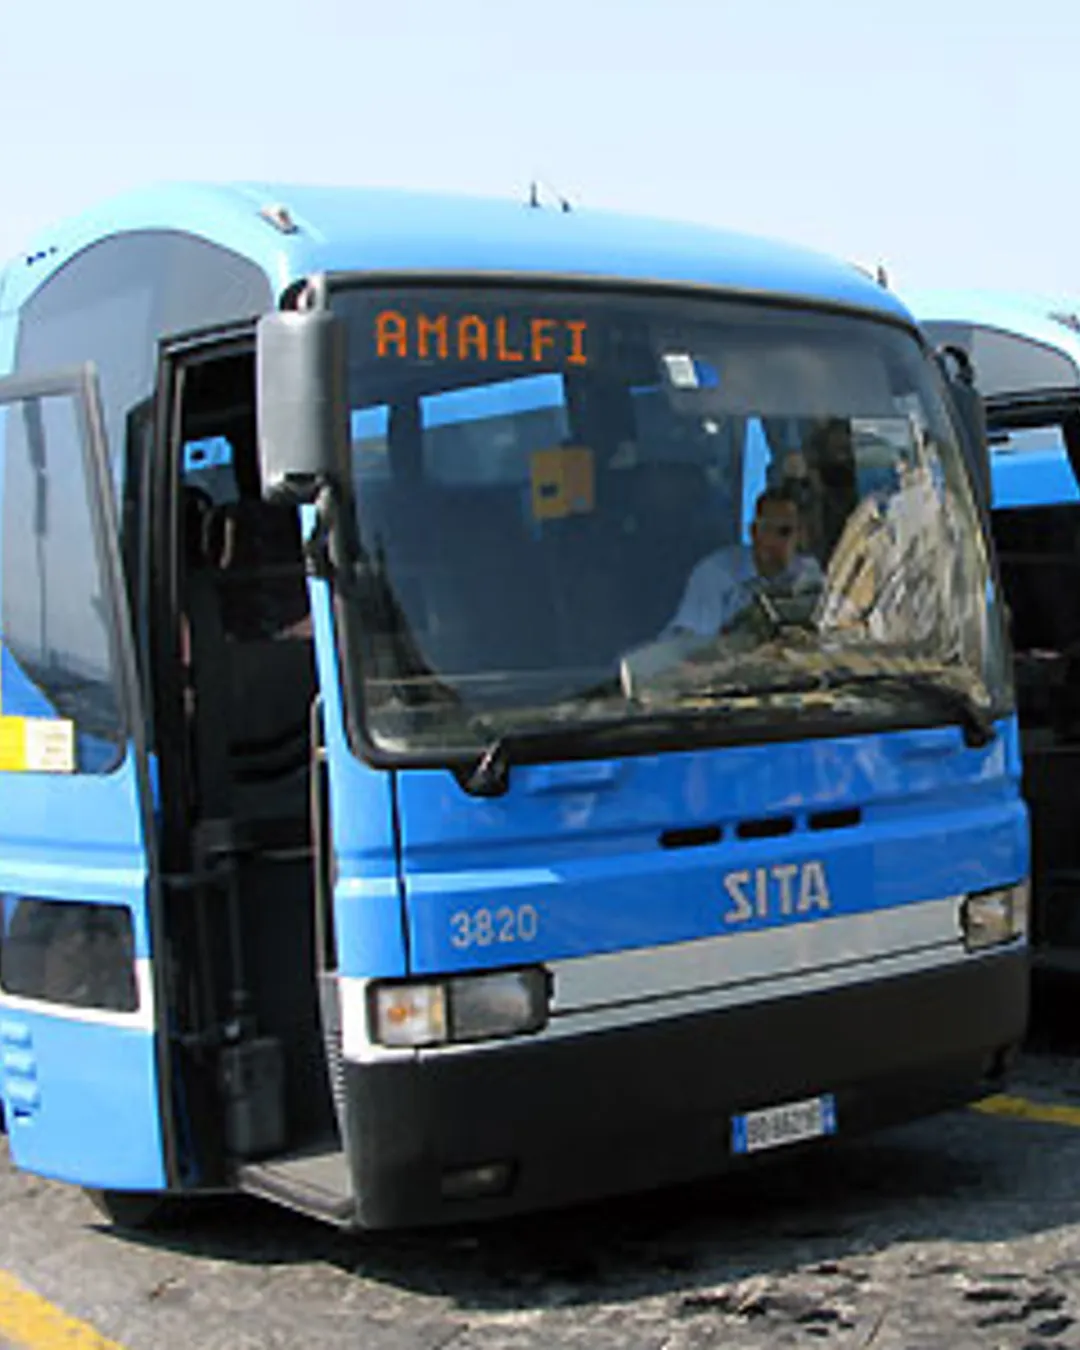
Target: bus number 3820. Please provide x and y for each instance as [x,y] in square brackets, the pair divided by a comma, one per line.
[487,927]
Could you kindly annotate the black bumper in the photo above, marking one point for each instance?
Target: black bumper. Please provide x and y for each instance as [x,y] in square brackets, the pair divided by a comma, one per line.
[651,1105]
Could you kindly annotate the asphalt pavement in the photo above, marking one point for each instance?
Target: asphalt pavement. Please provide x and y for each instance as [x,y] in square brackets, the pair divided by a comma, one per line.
[962,1230]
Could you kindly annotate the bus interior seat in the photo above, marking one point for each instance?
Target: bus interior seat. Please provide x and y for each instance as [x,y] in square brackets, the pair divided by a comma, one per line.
[666,520]
[483,585]
[465,572]
[255,549]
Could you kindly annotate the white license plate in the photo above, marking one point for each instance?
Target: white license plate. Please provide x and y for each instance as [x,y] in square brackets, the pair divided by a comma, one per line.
[790,1123]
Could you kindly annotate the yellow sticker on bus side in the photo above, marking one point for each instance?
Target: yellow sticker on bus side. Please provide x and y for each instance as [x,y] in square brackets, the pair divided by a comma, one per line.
[12,742]
[37,745]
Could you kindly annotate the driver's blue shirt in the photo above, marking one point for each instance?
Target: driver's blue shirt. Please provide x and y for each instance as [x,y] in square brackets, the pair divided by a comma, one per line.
[723,584]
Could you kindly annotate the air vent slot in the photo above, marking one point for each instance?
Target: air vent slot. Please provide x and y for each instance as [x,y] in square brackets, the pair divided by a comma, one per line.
[844,819]
[696,837]
[770,828]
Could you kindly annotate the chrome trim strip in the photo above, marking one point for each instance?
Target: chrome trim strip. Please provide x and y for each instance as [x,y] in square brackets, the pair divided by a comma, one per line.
[624,989]
[613,1016]
[766,954]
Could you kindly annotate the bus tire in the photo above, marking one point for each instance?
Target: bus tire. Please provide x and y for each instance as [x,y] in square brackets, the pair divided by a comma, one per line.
[132,1209]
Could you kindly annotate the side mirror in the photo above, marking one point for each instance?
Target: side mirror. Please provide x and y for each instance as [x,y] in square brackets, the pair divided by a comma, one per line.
[302,412]
[960,376]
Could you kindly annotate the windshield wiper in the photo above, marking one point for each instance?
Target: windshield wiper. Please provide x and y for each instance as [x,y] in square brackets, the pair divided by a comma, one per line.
[488,775]
[975,721]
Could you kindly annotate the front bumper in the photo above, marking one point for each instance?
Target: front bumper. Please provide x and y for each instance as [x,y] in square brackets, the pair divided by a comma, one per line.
[651,1105]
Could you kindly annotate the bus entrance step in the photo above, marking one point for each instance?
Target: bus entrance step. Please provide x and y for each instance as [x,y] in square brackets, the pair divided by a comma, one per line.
[314,1180]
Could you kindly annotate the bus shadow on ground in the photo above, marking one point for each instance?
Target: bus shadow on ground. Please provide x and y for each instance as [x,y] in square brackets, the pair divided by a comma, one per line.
[962,1178]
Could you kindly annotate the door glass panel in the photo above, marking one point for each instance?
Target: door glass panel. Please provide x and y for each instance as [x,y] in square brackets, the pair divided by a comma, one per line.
[59,696]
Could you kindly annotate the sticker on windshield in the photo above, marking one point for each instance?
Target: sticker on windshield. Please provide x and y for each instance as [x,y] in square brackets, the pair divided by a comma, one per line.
[689,372]
[563,482]
[681,370]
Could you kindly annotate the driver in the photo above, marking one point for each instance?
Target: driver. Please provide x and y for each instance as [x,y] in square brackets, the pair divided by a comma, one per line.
[723,584]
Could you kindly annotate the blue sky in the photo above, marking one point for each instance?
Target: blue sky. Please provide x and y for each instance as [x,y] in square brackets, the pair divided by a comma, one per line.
[938,138]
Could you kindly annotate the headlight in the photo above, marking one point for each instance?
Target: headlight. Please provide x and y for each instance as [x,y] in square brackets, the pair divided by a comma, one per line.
[459,1008]
[994,917]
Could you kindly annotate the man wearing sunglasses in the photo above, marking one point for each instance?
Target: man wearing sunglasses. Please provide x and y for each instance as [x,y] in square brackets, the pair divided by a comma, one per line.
[722,585]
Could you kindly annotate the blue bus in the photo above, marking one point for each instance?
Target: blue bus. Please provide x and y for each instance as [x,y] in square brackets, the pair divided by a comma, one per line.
[1026,353]
[377,834]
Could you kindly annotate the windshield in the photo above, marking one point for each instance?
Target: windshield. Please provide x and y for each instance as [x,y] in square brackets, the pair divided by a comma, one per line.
[586,509]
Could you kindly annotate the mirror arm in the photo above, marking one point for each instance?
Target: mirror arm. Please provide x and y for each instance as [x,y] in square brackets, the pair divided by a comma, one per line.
[317,560]
[959,372]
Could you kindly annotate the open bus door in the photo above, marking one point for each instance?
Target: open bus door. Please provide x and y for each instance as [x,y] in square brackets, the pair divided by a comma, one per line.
[80,1057]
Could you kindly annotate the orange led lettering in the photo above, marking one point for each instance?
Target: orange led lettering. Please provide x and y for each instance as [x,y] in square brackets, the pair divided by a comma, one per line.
[442,336]
[577,329]
[391,334]
[437,328]
[503,350]
[542,335]
[472,337]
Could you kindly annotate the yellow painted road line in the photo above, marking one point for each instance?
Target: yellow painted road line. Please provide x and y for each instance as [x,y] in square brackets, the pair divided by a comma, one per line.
[33,1322]
[1020,1108]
